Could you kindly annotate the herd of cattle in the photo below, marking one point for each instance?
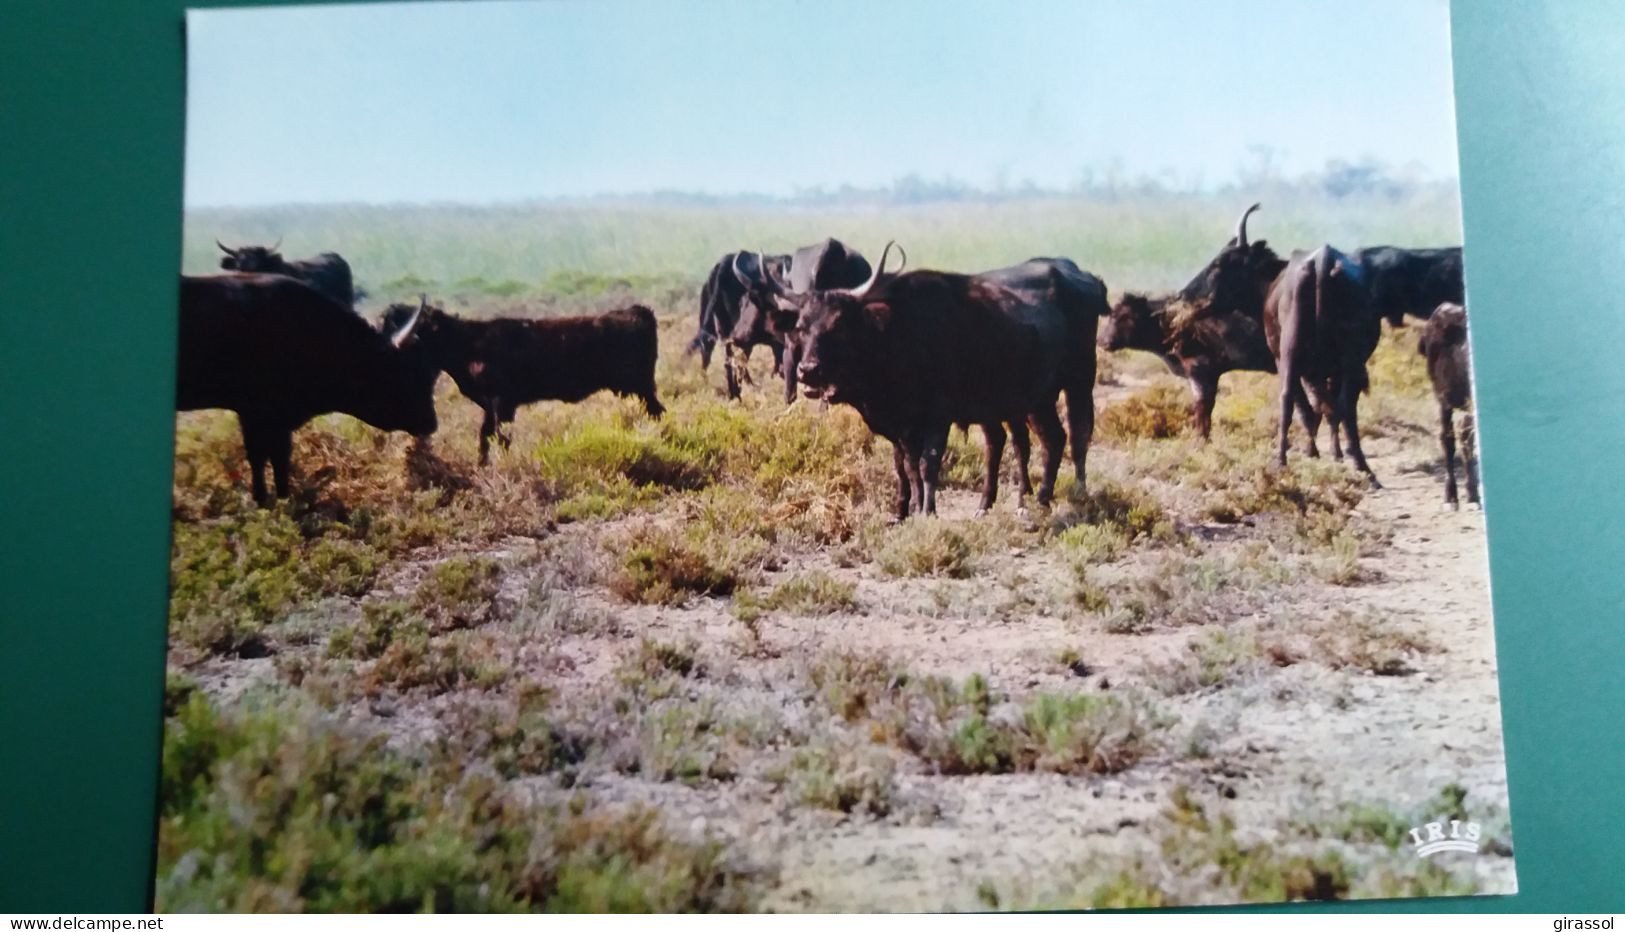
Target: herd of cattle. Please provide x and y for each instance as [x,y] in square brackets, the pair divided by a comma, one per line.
[914,352]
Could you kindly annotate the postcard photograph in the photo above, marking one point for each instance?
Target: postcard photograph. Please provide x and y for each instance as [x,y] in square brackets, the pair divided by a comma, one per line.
[823,456]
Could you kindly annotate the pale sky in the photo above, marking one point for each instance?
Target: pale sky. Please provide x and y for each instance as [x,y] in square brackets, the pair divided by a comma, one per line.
[501,101]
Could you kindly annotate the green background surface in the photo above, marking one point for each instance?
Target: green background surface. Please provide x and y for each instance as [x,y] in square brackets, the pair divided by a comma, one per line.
[91,118]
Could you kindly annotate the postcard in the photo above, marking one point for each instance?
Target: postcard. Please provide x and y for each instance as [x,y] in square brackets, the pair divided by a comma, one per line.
[775,455]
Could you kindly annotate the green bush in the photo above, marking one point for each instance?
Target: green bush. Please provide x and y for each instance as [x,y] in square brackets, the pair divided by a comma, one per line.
[274,808]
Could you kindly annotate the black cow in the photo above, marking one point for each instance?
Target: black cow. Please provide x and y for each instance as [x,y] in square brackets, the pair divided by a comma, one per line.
[504,363]
[1318,323]
[1048,285]
[727,290]
[279,353]
[327,272]
[1450,368]
[819,267]
[1410,281]
[917,353]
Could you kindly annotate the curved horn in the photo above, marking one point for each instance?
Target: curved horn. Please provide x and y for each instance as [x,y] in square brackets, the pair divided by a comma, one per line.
[773,282]
[276,245]
[399,336]
[1241,228]
[224,248]
[880,266]
[739,273]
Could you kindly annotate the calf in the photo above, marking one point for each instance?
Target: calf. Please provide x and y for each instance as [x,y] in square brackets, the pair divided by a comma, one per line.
[327,272]
[1444,344]
[279,353]
[504,363]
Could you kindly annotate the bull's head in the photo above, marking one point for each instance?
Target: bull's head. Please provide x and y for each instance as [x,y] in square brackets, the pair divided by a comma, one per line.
[1236,280]
[251,258]
[832,327]
[400,323]
[761,275]
[1133,324]
[402,395]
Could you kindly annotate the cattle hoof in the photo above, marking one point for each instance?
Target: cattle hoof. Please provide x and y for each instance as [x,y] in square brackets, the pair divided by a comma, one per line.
[1474,504]
[1375,485]
[1450,506]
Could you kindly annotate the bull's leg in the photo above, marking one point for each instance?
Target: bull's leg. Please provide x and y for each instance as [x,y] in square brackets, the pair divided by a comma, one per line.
[729,372]
[1469,454]
[1053,437]
[1080,417]
[1334,426]
[488,429]
[900,461]
[1204,393]
[258,453]
[744,366]
[1289,391]
[1345,409]
[993,451]
[916,476]
[505,413]
[935,443]
[1022,441]
[1309,415]
[792,358]
[1447,441]
[279,442]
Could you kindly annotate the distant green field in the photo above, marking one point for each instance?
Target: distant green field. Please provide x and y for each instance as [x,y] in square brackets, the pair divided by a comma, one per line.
[661,251]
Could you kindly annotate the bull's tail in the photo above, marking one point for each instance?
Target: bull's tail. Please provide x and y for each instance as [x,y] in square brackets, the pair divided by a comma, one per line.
[1327,268]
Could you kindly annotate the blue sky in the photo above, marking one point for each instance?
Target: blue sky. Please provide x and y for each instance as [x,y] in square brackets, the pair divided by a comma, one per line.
[497,101]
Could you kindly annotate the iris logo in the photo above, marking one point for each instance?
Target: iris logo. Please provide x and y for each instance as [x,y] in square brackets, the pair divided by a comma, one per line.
[1459,836]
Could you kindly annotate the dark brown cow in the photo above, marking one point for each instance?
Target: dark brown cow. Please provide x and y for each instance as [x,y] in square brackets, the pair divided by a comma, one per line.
[1318,322]
[1200,349]
[504,363]
[917,353]
[279,353]
[1444,343]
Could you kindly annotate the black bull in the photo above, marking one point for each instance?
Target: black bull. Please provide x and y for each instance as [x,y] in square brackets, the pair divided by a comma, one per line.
[919,352]
[327,272]
[279,353]
[745,293]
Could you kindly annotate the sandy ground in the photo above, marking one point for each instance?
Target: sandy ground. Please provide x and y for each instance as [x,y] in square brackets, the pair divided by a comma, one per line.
[1293,745]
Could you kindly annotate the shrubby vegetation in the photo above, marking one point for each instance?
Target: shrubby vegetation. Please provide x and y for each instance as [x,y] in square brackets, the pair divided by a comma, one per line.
[462,659]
